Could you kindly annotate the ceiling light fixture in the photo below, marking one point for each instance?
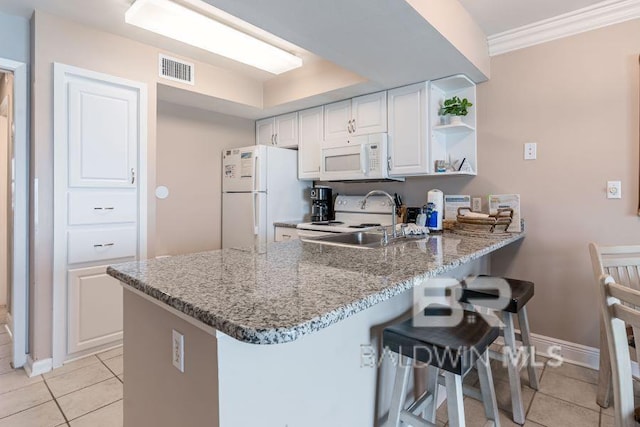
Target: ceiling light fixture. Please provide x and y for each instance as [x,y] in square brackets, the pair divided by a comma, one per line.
[188,26]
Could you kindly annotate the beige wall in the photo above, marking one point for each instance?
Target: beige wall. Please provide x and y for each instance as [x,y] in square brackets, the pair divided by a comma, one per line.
[189,146]
[58,40]
[578,99]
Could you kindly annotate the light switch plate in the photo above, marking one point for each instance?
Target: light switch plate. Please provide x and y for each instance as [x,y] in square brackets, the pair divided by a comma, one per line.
[177,350]
[614,190]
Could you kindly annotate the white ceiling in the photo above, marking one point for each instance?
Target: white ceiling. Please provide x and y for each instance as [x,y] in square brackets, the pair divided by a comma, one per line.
[493,16]
[496,16]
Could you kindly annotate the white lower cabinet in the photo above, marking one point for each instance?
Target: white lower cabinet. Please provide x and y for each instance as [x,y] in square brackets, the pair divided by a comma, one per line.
[285,233]
[94,301]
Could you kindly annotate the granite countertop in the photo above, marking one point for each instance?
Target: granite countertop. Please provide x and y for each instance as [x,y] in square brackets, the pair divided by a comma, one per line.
[287,224]
[295,288]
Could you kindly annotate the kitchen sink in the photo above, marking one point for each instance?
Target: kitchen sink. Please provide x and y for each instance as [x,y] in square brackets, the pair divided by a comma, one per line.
[360,239]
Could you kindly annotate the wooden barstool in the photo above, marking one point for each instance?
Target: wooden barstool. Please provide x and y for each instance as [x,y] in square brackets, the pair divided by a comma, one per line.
[453,349]
[484,292]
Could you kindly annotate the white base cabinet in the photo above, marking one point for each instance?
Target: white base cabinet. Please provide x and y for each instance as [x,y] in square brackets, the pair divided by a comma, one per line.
[285,233]
[95,309]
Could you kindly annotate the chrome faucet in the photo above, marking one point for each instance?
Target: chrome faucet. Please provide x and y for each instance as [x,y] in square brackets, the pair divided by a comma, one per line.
[394,233]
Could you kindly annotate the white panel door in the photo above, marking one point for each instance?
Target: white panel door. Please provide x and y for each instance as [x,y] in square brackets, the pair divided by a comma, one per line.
[95,309]
[408,124]
[100,125]
[336,120]
[369,113]
[243,219]
[265,131]
[310,143]
[103,135]
[286,130]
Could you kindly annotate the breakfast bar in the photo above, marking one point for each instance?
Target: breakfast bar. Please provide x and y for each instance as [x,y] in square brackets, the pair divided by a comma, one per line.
[282,336]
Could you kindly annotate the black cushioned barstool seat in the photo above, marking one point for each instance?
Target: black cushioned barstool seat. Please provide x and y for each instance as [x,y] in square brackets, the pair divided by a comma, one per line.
[521,292]
[483,291]
[458,347]
[454,349]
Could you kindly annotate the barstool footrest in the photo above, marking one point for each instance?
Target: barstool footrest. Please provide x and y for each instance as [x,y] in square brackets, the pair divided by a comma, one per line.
[414,420]
[467,390]
[419,404]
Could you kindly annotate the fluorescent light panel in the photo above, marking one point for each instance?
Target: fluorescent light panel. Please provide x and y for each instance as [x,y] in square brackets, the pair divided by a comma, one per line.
[183,24]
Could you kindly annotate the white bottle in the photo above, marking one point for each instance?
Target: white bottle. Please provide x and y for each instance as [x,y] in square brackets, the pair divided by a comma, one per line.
[435,202]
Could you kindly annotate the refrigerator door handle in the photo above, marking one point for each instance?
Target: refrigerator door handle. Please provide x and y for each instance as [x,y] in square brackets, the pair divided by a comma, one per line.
[255,173]
[256,213]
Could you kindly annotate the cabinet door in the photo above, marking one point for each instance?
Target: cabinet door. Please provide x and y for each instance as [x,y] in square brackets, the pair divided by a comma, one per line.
[95,309]
[336,120]
[265,131]
[103,135]
[369,113]
[310,143]
[408,126]
[286,131]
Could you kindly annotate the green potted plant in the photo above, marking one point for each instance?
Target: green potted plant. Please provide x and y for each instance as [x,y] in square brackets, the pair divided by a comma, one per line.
[455,108]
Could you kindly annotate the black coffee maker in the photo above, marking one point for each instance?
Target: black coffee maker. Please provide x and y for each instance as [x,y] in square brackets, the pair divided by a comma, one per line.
[321,204]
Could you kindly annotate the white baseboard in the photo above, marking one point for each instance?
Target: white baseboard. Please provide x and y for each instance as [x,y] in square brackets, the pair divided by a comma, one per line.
[38,367]
[577,354]
[573,353]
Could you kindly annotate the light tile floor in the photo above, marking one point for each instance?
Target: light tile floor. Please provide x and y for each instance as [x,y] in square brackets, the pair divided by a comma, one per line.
[88,392]
[83,393]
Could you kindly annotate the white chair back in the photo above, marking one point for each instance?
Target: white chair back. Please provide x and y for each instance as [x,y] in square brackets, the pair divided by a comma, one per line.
[622,263]
[619,306]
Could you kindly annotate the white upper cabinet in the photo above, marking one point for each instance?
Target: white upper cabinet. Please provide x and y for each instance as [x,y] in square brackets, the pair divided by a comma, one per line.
[408,130]
[369,113]
[362,115]
[280,131]
[310,124]
[337,120]
[103,136]
[265,131]
[287,130]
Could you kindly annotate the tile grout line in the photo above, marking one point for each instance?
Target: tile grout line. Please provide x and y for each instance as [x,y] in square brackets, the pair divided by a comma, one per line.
[114,374]
[81,388]
[56,401]
[94,410]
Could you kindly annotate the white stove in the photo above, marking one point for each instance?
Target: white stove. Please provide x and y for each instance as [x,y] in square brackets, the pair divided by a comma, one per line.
[351,217]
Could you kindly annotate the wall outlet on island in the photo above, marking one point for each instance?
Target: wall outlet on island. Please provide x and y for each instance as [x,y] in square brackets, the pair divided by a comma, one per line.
[177,350]
[476,204]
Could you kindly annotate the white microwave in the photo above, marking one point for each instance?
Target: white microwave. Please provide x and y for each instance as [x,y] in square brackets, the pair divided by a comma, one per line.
[360,158]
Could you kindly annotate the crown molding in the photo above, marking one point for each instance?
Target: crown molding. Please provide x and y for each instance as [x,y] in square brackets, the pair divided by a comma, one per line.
[599,15]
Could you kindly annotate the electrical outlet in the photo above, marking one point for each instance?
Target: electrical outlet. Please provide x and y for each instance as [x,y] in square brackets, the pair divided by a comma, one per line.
[530,151]
[177,350]
[614,190]
[476,204]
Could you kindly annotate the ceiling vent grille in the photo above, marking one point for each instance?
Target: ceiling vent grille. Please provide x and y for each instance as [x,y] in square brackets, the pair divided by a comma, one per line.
[176,70]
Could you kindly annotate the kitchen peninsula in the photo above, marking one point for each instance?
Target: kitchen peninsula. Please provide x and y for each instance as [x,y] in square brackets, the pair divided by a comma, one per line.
[275,338]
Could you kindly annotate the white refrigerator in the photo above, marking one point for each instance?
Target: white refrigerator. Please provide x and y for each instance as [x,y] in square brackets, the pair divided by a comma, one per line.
[260,186]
